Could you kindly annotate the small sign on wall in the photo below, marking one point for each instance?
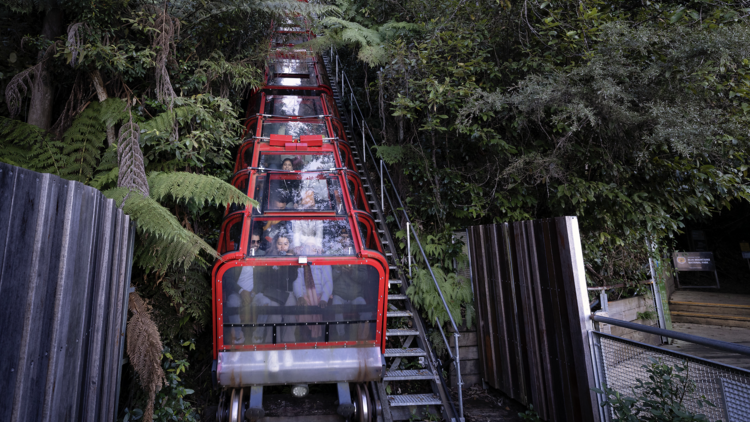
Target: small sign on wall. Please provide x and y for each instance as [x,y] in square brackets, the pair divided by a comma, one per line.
[745,248]
[694,261]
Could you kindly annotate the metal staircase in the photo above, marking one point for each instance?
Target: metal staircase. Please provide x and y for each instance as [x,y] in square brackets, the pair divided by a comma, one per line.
[412,359]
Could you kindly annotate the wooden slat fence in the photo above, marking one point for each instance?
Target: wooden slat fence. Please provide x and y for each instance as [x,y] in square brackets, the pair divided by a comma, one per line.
[533,319]
[65,260]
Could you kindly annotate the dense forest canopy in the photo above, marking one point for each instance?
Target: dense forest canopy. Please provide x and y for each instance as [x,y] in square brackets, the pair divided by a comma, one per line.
[632,115]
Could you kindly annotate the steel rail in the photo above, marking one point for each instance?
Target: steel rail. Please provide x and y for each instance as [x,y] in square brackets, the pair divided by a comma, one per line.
[715,344]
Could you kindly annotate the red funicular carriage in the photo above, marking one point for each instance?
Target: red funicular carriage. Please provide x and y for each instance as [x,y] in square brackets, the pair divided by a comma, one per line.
[300,294]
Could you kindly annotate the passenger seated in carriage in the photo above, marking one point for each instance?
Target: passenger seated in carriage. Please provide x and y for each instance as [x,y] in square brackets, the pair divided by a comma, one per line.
[241,296]
[273,286]
[312,287]
[348,283]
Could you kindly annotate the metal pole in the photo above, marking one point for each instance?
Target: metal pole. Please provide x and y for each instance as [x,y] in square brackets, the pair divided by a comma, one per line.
[364,152]
[459,380]
[336,59]
[716,344]
[351,109]
[382,190]
[408,245]
[342,85]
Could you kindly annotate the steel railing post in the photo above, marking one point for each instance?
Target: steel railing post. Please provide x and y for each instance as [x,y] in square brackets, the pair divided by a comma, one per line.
[408,245]
[382,192]
[336,59]
[364,152]
[459,381]
[351,108]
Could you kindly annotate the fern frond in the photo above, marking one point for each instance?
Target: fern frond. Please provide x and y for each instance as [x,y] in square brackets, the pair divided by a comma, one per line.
[279,7]
[114,111]
[161,126]
[83,144]
[370,42]
[199,188]
[165,242]
[17,140]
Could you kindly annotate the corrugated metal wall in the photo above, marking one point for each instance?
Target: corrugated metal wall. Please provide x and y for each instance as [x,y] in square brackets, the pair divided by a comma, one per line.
[65,261]
[533,315]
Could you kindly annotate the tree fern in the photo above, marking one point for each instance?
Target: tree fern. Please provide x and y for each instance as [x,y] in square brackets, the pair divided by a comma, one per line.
[159,254]
[114,111]
[16,141]
[84,142]
[281,7]
[164,242]
[199,188]
[106,174]
[369,40]
[27,146]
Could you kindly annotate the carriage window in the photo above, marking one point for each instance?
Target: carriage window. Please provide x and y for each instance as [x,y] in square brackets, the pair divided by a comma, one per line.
[330,236]
[251,128]
[289,39]
[339,130]
[292,72]
[316,191]
[356,193]
[253,105]
[245,156]
[296,129]
[331,105]
[231,234]
[368,233]
[299,304]
[346,156]
[297,162]
[293,105]
[240,181]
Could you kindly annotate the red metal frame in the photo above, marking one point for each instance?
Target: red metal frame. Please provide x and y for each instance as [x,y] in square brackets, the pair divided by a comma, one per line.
[245,178]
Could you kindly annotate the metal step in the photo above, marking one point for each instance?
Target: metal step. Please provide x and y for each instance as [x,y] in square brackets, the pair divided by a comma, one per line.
[408,375]
[394,281]
[414,400]
[398,314]
[404,353]
[396,297]
[401,332]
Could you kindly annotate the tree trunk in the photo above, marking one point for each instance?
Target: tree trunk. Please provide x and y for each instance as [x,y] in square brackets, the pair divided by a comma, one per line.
[43,92]
[101,93]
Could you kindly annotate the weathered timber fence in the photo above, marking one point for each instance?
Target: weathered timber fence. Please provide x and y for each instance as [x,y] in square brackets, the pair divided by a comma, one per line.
[65,261]
[533,315]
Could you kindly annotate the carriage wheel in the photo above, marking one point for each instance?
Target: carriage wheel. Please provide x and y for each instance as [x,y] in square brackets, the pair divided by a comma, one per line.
[362,403]
[235,405]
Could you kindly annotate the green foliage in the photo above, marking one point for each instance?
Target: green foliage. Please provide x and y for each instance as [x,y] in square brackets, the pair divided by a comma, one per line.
[530,415]
[83,141]
[171,403]
[163,240]
[631,117]
[456,290]
[663,397]
[17,139]
[198,189]
[208,128]
[189,291]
